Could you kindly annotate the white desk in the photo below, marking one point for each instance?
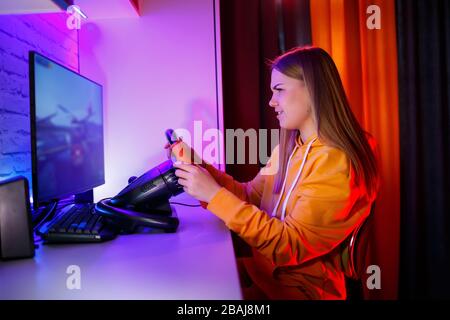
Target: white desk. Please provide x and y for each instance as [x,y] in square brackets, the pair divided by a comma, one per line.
[196,262]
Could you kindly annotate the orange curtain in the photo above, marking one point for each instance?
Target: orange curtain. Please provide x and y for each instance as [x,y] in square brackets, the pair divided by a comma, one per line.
[367,62]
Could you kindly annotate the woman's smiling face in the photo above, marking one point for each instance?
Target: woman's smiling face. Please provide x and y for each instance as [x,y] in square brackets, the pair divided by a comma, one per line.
[291,101]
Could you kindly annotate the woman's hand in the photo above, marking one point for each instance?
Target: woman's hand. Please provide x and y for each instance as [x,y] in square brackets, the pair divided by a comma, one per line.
[183,152]
[196,181]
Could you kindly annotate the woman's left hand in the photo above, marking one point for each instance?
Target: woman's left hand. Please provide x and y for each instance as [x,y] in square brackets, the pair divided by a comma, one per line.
[196,181]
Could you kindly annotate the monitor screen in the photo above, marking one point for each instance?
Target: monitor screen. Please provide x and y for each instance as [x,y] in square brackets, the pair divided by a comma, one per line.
[66,131]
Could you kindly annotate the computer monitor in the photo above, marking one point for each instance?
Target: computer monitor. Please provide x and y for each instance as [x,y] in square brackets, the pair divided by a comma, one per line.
[66,131]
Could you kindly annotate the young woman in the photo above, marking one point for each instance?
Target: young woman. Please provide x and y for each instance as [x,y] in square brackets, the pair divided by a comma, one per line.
[297,218]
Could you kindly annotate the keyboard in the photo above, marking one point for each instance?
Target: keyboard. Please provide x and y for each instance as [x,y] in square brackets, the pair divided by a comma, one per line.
[77,223]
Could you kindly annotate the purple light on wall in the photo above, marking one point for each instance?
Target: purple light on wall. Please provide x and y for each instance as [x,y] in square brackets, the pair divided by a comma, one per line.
[48,35]
[158,71]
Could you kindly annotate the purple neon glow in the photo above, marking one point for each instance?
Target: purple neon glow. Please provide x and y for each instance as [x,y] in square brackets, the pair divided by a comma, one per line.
[158,71]
[46,34]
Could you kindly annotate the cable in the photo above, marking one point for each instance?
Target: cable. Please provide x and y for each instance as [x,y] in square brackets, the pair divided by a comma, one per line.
[186,204]
[50,209]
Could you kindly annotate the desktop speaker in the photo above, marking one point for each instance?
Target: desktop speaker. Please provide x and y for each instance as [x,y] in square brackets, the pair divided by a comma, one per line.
[16,232]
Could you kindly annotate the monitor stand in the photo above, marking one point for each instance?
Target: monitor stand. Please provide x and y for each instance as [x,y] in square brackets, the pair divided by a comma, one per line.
[85,197]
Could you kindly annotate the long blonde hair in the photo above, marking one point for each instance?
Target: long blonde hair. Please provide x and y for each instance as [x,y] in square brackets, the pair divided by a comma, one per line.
[336,123]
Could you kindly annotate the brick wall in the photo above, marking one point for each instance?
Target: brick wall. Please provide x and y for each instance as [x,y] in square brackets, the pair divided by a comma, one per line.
[43,33]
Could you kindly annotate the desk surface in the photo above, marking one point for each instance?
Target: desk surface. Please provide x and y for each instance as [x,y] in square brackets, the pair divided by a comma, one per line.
[196,262]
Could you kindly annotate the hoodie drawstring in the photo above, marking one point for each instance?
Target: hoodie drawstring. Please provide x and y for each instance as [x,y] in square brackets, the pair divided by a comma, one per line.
[283,208]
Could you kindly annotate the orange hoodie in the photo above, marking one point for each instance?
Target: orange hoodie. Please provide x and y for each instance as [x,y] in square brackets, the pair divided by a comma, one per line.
[298,257]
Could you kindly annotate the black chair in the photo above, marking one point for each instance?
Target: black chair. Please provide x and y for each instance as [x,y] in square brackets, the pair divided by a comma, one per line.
[354,257]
